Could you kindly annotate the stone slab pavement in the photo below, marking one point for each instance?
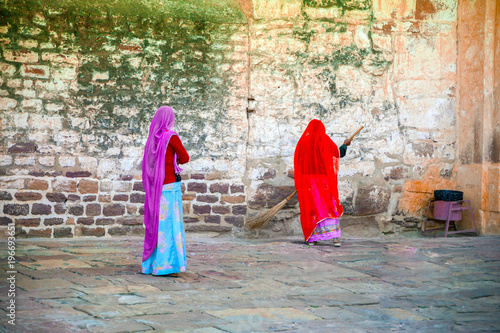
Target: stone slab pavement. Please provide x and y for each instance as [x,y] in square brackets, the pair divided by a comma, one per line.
[262,285]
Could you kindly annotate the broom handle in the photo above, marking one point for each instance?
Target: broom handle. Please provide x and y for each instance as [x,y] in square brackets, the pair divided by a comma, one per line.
[359,130]
[291,195]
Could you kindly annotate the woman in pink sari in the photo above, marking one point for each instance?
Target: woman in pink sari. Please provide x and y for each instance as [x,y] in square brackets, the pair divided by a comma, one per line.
[164,245]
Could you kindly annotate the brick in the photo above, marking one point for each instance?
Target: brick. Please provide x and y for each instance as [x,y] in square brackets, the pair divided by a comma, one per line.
[237,188]
[53,221]
[64,185]
[201,209]
[90,198]
[126,177]
[221,209]
[61,58]
[219,188]
[37,184]
[197,176]
[191,220]
[96,232]
[7,103]
[85,221]
[9,70]
[65,232]
[131,221]
[138,187]
[76,210]
[5,196]
[137,198]
[119,231]
[56,197]
[78,174]
[197,187]
[141,210]
[114,210]
[188,197]
[40,233]
[214,176]
[122,186]
[25,160]
[239,210]
[16,209]
[234,199]
[132,209]
[47,160]
[214,219]
[24,56]
[36,71]
[41,209]
[70,221]
[120,197]
[31,222]
[60,209]
[4,220]
[73,197]
[5,160]
[207,198]
[23,148]
[28,196]
[93,210]
[234,220]
[104,198]
[88,186]
[105,221]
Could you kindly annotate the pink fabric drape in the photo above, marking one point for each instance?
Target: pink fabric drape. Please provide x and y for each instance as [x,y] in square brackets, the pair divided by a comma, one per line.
[153,173]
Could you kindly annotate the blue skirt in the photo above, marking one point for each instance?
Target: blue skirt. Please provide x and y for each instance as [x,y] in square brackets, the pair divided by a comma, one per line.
[170,254]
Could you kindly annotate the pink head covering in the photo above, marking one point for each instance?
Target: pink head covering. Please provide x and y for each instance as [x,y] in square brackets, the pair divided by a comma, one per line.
[153,173]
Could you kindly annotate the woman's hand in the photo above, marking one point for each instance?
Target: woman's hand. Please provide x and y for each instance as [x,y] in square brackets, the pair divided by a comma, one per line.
[347,142]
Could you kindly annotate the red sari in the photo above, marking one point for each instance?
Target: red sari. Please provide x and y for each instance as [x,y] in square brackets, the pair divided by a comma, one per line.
[316,164]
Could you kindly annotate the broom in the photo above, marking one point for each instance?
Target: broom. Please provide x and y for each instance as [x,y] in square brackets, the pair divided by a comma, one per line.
[259,221]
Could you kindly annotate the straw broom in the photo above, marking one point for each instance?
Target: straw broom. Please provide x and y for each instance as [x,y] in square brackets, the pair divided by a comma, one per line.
[259,221]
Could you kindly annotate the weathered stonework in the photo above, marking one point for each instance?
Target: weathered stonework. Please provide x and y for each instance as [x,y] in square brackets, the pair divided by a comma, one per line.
[79,85]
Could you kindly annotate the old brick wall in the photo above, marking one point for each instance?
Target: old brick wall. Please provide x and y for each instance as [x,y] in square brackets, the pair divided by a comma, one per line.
[79,85]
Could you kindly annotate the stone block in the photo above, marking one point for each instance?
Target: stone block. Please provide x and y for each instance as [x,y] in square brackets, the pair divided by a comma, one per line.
[201,209]
[71,59]
[28,196]
[41,209]
[137,198]
[37,184]
[105,221]
[236,188]
[78,174]
[23,148]
[132,209]
[95,232]
[30,222]
[233,199]
[270,10]
[7,103]
[9,70]
[237,221]
[4,220]
[64,185]
[130,221]
[60,209]
[65,232]
[198,176]
[268,196]
[221,209]
[25,160]
[40,233]
[5,196]
[47,160]
[73,197]
[35,71]
[239,210]
[93,209]
[120,197]
[88,186]
[213,219]
[5,160]
[76,210]
[85,221]
[23,56]
[197,187]
[219,188]
[122,186]
[207,198]
[104,198]
[90,198]
[53,221]
[114,210]
[119,231]
[372,200]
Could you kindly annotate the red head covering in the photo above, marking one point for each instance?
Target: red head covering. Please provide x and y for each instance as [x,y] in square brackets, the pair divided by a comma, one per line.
[316,164]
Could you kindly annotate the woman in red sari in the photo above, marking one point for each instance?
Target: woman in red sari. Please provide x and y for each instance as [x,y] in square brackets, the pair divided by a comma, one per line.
[316,164]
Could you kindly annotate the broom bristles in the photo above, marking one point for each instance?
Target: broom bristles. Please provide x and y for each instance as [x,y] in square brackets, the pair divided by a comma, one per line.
[259,221]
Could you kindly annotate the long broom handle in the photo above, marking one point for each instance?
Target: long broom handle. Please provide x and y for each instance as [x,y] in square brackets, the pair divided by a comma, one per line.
[359,130]
[291,195]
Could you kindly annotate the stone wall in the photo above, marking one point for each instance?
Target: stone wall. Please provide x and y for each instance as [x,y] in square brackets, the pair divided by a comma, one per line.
[80,83]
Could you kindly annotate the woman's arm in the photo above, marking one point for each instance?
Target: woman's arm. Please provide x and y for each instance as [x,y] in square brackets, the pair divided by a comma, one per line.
[182,155]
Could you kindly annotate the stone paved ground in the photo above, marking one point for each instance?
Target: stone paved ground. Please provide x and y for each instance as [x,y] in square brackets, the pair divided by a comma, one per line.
[241,285]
